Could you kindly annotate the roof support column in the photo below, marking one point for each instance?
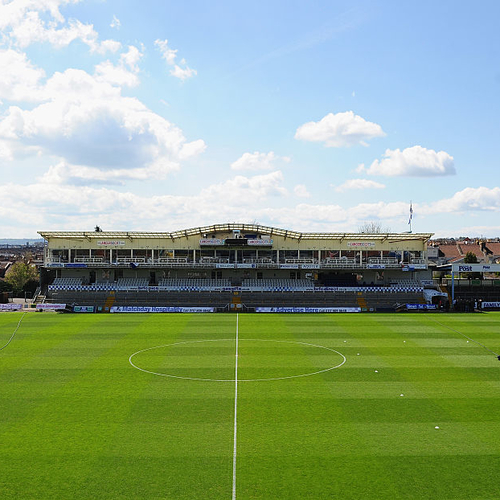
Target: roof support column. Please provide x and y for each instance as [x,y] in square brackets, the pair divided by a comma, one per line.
[452,287]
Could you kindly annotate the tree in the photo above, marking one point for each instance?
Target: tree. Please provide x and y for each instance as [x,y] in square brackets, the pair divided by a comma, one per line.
[471,258]
[4,286]
[373,228]
[21,275]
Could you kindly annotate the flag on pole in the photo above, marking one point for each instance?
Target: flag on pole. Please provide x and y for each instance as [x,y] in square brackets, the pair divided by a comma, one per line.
[411,213]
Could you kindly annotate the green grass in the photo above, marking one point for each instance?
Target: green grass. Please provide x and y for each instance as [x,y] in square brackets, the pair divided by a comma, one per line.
[77,421]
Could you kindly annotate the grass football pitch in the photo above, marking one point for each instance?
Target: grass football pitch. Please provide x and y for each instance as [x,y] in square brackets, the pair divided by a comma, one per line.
[220,406]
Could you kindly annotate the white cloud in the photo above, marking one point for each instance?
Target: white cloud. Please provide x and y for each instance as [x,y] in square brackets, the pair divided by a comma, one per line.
[79,175]
[115,23]
[490,231]
[340,130]
[21,23]
[415,162]
[61,199]
[479,199]
[115,75]
[378,211]
[241,190]
[85,121]
[124,73]
[12,13]
[131,58]
[52,202]
[20,79]
[301,191]
[182,70]
[190,149]
[359,184]
[166,52]
[258,161]
[183,73]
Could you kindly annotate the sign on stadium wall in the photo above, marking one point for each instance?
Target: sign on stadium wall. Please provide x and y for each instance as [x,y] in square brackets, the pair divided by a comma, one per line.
[262,242]
[10,307]
[110,243]
[211,241]
[83,309]
[308,309]
[476,268]
[147,309]
[491,305]
[52,307]
[419,307]
[361,244]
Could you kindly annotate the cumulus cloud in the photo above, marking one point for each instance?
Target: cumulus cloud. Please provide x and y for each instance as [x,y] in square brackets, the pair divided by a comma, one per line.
[482,199]
[125,73]
[258,161]
[181,70]
[240,190]
[53,202]
[21,82]
[340,130]
[166,52]
[80,175]
[301,191]
[20,22]
[183,73]
[359,184]
[58,201]
[86,121]
[415,162]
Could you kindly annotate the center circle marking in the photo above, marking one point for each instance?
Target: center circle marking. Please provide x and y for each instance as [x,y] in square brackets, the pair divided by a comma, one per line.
[239,379]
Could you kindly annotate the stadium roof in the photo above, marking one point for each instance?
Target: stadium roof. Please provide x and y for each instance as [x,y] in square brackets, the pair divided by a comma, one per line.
[251,228]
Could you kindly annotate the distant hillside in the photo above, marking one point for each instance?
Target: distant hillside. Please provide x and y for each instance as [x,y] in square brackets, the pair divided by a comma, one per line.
[19,242]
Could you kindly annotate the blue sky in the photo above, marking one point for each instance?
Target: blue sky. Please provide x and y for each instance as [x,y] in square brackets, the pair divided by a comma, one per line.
[311,116]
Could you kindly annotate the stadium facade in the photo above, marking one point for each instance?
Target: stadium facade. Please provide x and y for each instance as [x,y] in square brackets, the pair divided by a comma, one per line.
[232,266]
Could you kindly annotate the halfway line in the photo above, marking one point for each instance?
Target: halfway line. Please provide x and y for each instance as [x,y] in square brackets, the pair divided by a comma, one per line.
[233,497]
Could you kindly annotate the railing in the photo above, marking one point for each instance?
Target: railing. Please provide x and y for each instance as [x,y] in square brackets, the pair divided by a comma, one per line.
[89,260]
[418,261]
[383,260]
[131,260]
[339,262]
[329,263]
[213,260]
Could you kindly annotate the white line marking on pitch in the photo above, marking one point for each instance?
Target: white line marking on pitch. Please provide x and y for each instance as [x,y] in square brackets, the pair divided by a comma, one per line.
[235,411]
[239,379]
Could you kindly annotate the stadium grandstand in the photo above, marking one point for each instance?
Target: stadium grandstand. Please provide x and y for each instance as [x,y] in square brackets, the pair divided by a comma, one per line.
[244,267]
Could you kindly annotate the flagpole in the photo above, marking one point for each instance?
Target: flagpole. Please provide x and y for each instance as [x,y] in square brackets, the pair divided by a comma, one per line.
[411,215]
